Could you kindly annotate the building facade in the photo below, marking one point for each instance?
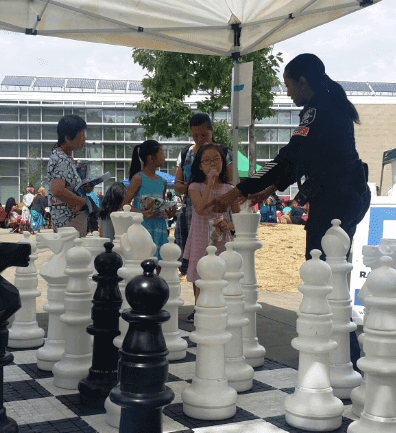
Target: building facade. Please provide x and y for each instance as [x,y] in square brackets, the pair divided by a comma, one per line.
[30,108]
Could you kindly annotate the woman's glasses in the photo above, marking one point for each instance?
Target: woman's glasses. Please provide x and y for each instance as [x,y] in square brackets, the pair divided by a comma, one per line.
[210,161]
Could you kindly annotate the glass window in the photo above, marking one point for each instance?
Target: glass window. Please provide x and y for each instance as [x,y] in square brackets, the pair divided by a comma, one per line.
[108,184]
[243,134]
[23,132]
[284,117]
[220,115]
[120,151]
[109,150]
[120,115]
[262,151]
[172,168]
[273,151]
[293,191]
[79,153]
[94,150]
[94,133]
[120,175]
[49,132]
[109,133]
[284,135]
[79,111]
[23,150]
[94,168]
[8,185]
[52,114]
[8,150]
[68,111]
[35,150]
[9,114]
[109,116]
[295,118]
[34,115]
[34,132]
[9,132]
[138,133]
[109,166]
[23,114]
[174,150]
[269,120]
[128,150]
[243,149]
[120,133]
[266,134]
[94,115]
[47,149]
[130,116]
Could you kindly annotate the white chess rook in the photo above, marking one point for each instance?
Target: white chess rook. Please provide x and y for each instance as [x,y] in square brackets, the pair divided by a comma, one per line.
[136,245]
[343,377]
[25,332]
[53,272]
[209,397]
[379,362]
[121,220]
[313,406]
[176,345]
[77,357]
[238,372]
[246,243]
[95,245]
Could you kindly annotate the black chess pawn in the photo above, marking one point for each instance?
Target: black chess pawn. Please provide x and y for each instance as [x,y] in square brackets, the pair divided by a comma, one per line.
[143,366]
[10,255]
[107,301]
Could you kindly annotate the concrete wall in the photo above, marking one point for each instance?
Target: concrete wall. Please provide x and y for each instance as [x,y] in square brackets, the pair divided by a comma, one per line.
[375,134]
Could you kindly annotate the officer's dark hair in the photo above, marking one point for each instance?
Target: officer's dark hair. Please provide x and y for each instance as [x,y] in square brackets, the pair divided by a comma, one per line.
[199,119]
[197,175]
[312,68]
[140,154]
[69,126]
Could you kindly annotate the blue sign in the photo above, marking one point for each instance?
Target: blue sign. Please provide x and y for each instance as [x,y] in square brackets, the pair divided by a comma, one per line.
[377,217]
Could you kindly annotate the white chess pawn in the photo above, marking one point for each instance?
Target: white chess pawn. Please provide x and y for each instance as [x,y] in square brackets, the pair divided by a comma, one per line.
[379,363]
[246,243]
[176,345]
[53,272]
[121,220]
[95,245]
[77,358]
[25,332]
[239,373]
[371,258]
[136,245]
[343,377]
[209,397]
[313,406]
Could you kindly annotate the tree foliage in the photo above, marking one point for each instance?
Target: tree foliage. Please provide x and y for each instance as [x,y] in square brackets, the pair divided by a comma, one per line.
[172,77]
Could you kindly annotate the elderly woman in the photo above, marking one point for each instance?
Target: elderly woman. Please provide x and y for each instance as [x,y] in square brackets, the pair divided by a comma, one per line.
[27,201]
[37,210]
[66,207]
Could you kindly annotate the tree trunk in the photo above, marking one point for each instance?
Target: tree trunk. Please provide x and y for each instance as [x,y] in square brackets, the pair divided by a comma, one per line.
[252,146]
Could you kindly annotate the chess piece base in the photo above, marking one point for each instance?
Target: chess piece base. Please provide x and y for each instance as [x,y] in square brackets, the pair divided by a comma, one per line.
[239,374]
[113,413]
[369,424]
[50,354]
[358,396]
[71,369]
[7,425]
[253,352]
[344,379]
[25,335]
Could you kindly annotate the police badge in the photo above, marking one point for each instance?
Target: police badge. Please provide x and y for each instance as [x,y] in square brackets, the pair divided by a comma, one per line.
[308,117]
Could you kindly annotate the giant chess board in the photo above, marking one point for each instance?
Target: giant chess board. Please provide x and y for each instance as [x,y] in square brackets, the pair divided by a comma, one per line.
[39,407]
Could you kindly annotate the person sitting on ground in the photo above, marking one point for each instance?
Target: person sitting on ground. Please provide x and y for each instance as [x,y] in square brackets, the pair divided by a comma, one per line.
[279,209]
[296,213]
[111,203]
[37,221]
[268,212]
[13,215]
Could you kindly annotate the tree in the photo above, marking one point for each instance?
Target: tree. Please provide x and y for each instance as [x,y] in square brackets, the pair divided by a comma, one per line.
[32,169]
[173,76]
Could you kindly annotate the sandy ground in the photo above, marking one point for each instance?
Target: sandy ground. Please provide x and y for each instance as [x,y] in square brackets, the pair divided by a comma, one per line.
[277,265]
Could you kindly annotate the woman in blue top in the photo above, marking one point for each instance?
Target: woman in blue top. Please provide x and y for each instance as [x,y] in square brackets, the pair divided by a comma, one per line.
[146,157]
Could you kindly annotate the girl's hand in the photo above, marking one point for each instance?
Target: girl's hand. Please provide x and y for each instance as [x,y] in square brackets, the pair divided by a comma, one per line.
[212,176]
[148,214]
[220,225]
[171,213]
[88,188]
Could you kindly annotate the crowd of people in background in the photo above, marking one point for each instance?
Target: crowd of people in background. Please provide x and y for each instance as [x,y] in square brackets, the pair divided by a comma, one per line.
[283,211]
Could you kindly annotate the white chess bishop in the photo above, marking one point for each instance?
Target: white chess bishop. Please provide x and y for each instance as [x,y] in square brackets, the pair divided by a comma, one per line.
[313,406]
[209,397]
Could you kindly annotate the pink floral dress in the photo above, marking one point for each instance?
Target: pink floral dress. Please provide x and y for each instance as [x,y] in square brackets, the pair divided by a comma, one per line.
[198,236]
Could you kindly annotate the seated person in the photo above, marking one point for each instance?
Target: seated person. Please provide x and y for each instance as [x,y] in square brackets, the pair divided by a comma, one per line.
[268,212]
[296,213]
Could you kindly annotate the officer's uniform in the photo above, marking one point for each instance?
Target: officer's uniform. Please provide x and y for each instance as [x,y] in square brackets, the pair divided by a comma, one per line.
[323,150]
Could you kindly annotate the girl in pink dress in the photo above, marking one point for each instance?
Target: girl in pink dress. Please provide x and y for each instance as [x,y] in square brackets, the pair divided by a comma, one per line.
[207,182]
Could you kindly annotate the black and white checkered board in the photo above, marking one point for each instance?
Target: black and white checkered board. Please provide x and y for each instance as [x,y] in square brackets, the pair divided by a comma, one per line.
[39,407]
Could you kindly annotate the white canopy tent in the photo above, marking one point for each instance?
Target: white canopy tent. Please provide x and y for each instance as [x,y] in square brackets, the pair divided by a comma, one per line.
[217,27]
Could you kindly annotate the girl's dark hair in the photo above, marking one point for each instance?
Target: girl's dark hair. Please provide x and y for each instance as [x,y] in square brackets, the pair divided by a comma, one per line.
[312,68]
[199,119]
[197,175]
[140,154]
[69,126]
[112,199]
[9,203]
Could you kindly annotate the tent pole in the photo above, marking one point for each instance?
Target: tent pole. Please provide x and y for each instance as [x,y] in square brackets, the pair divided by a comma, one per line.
[235,121]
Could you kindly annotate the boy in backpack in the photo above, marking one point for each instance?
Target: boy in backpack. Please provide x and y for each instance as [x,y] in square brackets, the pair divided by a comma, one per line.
[201,132]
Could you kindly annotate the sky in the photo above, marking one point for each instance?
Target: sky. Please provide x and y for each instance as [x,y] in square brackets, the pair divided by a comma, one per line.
[357,47]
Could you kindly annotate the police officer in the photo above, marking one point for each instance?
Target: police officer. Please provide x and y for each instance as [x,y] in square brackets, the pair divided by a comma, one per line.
[322,150]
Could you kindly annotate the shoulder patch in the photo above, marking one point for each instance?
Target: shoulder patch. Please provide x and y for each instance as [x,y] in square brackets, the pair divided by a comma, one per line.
[308,117]
[302,130]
